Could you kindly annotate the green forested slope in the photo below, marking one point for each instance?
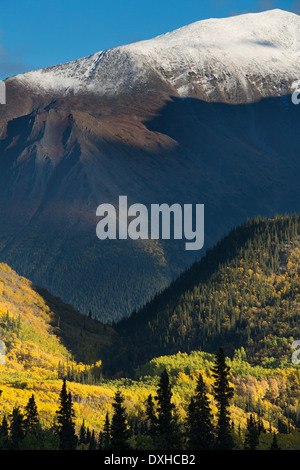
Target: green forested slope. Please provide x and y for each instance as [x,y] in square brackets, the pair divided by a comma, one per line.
[244,293]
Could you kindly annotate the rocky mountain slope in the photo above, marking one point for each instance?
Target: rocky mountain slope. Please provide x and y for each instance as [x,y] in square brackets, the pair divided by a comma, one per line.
[199,115]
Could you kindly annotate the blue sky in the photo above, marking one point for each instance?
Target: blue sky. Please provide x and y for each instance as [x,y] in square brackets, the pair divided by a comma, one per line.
[41,33]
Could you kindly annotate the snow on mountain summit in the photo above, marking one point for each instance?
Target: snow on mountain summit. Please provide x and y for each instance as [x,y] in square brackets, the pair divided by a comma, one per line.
[275,28]
[240,58]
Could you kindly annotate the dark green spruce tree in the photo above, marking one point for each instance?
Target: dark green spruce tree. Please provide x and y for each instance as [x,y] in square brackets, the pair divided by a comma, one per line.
[223,393]
[31,419]
[200,427]
[119,431]
[151,417]
[106,432]
[88,436]
[17,428]
[82,434]
[252,434]
[65,419]
[4,434]
[167,422]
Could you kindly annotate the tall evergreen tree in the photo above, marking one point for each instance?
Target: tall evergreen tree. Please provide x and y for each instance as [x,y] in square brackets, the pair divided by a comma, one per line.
[65,418]
[151,417]
[106,432]
[31,415]
[88,436]
[223,394]
[4,434]
[82,434]
[119,429]
[199,419]
[167,424]
[92,443]
[252,434]
[164,406]
[17,428]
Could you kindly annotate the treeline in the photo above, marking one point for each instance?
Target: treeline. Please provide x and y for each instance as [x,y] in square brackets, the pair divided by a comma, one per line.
[244,292]
[159,429]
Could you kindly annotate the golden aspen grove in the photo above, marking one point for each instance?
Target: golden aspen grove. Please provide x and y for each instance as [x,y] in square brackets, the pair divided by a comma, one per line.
[258,285]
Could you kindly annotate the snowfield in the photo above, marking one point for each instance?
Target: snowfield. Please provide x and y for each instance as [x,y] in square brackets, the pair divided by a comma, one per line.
[242,57]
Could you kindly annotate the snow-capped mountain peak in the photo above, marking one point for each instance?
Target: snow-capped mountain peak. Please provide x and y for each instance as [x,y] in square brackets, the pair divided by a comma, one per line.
[240,58]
